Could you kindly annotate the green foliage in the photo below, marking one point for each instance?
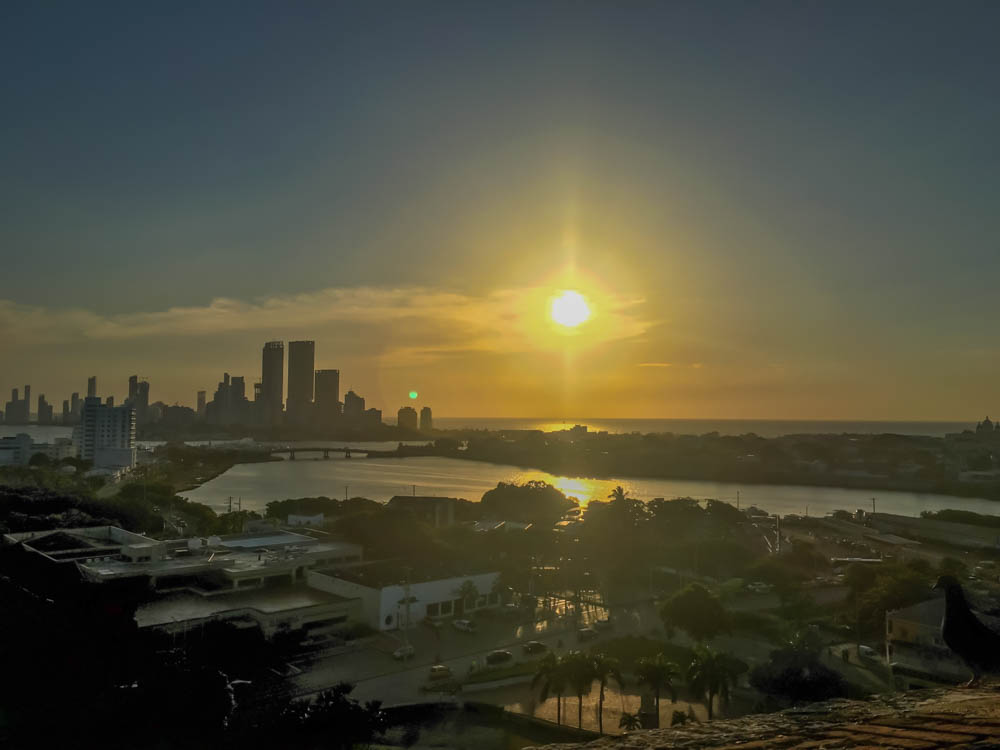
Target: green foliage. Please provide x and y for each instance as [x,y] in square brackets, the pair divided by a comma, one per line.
[961,516]
[627,650]
[950,566]
[696,611]
[711,674]
[875,589]
[531,502]
[659,674]
[796,674]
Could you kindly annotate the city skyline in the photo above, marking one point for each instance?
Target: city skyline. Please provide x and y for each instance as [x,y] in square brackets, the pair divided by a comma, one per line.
[788,214]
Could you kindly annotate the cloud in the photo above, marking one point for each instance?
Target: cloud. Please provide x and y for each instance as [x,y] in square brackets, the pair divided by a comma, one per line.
[414,324]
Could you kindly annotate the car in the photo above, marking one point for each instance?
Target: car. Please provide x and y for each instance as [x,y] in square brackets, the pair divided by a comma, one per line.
[586,634]
[404,652]
[499,657]
[440,672]
[466,626]
[867,651]
[534,647]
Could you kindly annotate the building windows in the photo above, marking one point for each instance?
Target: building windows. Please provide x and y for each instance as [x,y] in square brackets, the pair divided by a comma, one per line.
[447,608]
[433,610]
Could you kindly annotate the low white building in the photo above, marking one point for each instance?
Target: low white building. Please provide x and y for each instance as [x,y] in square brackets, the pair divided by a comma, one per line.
[382,588]
[918,656]
[18,449]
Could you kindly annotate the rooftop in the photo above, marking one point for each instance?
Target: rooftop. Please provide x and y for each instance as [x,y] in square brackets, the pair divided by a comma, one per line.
[382,573]
[186,607]
[926,613]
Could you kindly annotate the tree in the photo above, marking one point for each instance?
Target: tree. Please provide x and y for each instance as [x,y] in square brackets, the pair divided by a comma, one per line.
[551,678]
[628,722]
[618,494]
[468,593]
[796,674]
[579,670]
[39,459]
[606,669]
[696,611]
[712,674]
[659,674]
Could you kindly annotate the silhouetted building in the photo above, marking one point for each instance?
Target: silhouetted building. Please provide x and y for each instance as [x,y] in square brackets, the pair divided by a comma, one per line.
[106,435]
[354,406]
[138,398]
[75,406]
[229,405]
[17,410]
[406,418]
[66,414]
[272,381]
[109,401]
[201,404]
[301,367]
[91,386]
[426,419]
[372,417]
[327,395]
[44,410]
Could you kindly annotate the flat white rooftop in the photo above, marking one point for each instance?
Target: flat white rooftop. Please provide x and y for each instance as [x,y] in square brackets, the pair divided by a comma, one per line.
[185,607]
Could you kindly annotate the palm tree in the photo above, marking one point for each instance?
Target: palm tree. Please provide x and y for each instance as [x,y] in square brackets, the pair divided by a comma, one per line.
[711,674]
[580,677]
[551,677]
[658,673]
[618,494]
[628,722]
[605,670]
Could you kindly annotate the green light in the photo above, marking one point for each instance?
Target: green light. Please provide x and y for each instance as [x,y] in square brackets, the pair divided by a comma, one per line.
[413,394]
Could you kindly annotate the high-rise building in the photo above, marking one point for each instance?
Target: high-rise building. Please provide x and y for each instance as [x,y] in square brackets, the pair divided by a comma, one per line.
[106,434]
[272,381]
[138,398]
[17,410]
[75,406]
[44,410]
[229,405]
[109,401]
[406,418]
[66,418]
[201,404]
[92,386]
[327,396]
[354,406]
[301,377]
[426,420]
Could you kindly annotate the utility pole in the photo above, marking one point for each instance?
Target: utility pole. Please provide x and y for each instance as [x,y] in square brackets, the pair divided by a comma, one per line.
[406,603]
[737,499]
[414,490]
[873,506]
[345,492]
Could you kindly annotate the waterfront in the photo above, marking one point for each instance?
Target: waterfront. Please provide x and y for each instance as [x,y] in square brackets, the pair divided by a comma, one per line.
[381,478]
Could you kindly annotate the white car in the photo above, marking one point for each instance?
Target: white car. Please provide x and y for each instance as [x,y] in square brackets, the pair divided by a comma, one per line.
[466,626]
[404,652]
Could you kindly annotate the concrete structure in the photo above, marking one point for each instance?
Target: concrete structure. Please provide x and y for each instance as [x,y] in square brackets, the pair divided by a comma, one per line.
[426,420]
[249,579]
[354,406]
[44,410]
[106,433]
[438,512]
[18,449]
[200,401]
[301,378]
[327,396]
[138,398]
[17,410]
[92,386]
[272,383]
[916,652]
[384,587]
[406,418]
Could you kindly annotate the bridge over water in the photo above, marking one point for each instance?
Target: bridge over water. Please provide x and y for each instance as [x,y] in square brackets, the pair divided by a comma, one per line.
[326,451]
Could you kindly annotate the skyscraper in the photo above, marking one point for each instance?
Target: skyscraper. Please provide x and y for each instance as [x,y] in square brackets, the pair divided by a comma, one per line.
[426,420]
[301,365]
[354,406]
[138,398]
[406,418]
[106,435]
[272,381]
[327,394]
[92,386]
[44,410]
[201,404]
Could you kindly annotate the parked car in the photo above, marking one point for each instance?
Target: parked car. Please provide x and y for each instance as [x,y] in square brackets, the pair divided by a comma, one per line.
[440,672]
[534,647]
[499,657]
[404,652]
[586,634]
[466,626]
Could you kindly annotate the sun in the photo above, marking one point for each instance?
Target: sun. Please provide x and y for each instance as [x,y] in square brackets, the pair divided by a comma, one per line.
[569,309]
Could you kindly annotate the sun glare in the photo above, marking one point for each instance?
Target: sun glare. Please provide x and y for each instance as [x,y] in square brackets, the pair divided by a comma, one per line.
[569,309]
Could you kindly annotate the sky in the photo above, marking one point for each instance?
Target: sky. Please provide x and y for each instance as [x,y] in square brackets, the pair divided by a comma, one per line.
[775,210]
